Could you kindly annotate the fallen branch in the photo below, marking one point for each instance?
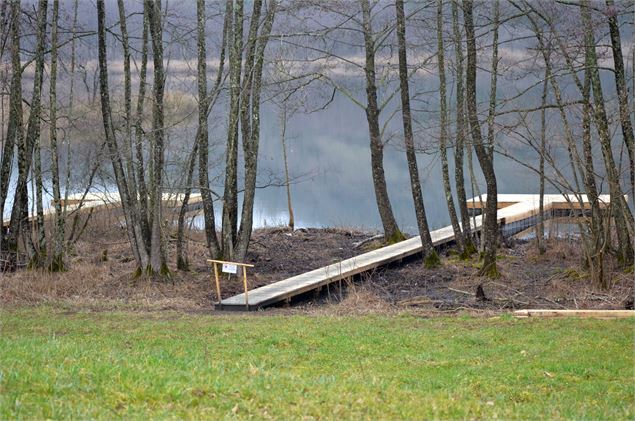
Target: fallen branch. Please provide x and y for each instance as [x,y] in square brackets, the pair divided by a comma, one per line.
[417,301]
[460,291]
[368,240]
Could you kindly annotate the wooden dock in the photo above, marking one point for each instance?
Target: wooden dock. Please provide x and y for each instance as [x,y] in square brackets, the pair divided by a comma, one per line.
[516,213]
[106,200]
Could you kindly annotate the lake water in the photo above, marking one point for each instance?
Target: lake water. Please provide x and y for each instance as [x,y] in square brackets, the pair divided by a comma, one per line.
[329,154]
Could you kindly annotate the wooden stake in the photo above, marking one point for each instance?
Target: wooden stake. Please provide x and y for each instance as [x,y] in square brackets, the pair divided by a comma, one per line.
[217,285]
[245,283]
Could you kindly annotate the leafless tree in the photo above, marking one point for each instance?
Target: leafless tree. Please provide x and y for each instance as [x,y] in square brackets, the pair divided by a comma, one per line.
[443,132]
[461,132]
[430,257]
[490,224]
[19,213]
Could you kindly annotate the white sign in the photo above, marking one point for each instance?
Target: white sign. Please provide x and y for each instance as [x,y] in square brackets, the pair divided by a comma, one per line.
[228,268]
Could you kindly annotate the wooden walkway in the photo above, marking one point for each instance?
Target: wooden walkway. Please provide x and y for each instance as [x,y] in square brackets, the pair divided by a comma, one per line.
[105,200]
[517,213]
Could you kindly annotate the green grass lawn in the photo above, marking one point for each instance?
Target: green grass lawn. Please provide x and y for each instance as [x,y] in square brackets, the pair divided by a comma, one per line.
[141,365]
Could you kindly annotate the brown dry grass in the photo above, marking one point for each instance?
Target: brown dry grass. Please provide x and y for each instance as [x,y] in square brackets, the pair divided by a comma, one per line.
[94,283]
[555,279]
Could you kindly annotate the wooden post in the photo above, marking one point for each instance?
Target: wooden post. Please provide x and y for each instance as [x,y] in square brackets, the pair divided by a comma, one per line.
[245,283]
[244,267]
[217,285]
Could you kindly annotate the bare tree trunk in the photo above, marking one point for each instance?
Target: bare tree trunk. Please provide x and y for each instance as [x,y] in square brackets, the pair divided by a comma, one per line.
[594,243]
[14,125]
[459,146]
[71,103]
[252,142]
[622,90]
[490,224]
[491,135]
[443,135]
[135,236]
[574,160]
[540,228]
[621,213]
[245,112]
[20,213]
[230,195]
[203,135]
[57,258]
[142,213]
[127,83]
[182,262]
[38,259]
[283,141]
[430,257]
[157,250]
[392,233]
[589,180]
[5,29]
[594,246]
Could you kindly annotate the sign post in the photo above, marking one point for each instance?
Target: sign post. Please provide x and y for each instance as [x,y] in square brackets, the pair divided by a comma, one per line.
[230,268]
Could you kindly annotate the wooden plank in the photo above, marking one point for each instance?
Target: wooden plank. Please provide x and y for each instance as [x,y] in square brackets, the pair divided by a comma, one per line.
[230,263]
[299,284]
[500,205]
[602,314]
[561,201]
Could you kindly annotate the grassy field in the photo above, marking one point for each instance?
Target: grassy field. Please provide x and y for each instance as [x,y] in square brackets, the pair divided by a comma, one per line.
[141,365]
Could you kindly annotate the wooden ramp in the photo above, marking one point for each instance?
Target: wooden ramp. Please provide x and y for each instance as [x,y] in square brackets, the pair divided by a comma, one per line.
[518,213]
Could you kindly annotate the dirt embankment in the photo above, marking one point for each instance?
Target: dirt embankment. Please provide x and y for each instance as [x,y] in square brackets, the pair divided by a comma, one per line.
[100,268]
